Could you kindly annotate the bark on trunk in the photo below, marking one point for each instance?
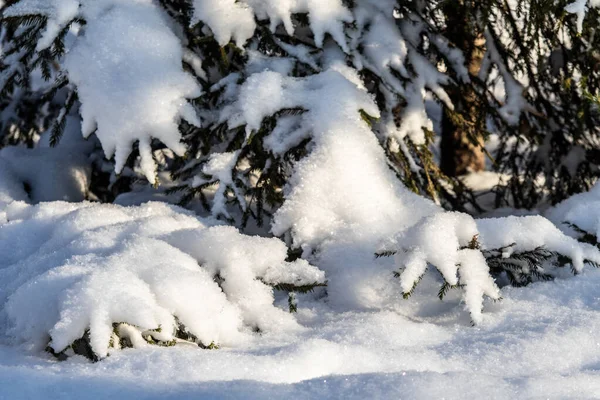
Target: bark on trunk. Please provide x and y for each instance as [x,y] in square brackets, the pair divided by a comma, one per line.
[466,124]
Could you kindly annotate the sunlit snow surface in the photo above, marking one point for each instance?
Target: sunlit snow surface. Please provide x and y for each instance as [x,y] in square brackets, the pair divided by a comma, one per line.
[539,342]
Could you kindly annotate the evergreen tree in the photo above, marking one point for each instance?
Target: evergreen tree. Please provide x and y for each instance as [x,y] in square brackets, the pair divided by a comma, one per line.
[312,118]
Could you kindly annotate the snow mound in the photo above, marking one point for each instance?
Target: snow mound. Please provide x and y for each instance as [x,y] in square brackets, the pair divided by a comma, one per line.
[151,272]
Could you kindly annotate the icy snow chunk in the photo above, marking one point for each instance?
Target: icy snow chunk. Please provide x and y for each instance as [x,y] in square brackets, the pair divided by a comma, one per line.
[78,269]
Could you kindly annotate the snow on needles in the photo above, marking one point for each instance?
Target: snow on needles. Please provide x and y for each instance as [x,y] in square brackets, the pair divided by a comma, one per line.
[342,197]
[76,268]
[580,8]
[229,19]
[131,90]
[453,242]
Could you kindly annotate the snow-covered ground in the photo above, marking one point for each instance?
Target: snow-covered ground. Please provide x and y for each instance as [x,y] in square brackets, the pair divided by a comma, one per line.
[539,342]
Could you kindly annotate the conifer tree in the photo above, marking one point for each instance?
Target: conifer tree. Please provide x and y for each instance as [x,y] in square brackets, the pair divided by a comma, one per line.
[398,48]
[244,106]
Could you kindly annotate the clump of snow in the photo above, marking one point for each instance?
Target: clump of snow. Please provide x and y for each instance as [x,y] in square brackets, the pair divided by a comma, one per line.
[445,240]
[346,176]
[220,169]
[530,232]
[235,20]
[580,8]
[453,243]
[131,90]
[76,268]
[247,266]
[228,19]
[578,213]
[342,198]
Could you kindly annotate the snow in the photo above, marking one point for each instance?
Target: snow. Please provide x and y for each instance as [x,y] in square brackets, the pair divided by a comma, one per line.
[127,98]
[155,273]
[530,232]
[539,342]
[51,174]
[342,198]
[72,267]
[130,90]
[59,13]
[580,8]
[234,20]
[581,210]
[68,267]
[228,19]
[452,243]
[219,167]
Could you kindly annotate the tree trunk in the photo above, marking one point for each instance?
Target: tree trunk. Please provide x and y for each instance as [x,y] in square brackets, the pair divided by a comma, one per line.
[462,129]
